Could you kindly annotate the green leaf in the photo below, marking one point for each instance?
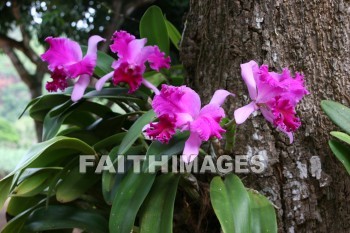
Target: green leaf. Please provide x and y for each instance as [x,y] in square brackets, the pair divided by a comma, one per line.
[5,186]
[120,94]
[128,199]
[112,181]
[230,201]
[45,103]
[56,117]
[263,216]
[153,27]
[104,62]
[41,154]
[158,208]
[173,34]
[74,184]
[32,185]
[17,205]
[341,136]
[16,224]
[62,217]
[44,154]
[110,141]
[135,130]
[338,113]
[342,152]
[135,186]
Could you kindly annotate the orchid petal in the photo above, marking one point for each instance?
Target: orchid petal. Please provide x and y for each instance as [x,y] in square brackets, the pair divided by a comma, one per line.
[268,115]
[163,130]
[242,114]
[191,149]
[207,123]
[219,97]
[150,86]
[173,100]
[100,83]
[158,60]
[134,50]
[88,63]
[79,87]
[130,74]
[62,52]
[121,39]
[92,45]
[247,71]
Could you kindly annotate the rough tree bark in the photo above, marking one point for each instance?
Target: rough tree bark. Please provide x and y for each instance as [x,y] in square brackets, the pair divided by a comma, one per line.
[304,180]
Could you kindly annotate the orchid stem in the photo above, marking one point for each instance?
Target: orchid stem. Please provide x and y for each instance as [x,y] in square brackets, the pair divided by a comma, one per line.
[230,135]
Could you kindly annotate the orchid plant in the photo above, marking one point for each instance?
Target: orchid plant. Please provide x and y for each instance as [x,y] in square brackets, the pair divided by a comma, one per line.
[136,121]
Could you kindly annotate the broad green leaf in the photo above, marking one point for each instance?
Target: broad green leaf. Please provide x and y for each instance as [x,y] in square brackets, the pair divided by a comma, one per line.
[153,27]
[28,172]
[128,199]
[16,224]
[230,201]
[135,130]
[104,62]
[18,205]
[135,186]
[338,113]
[263,215]
[48,152]
[45,103]
[53,122]
[44,149]
[74,184]
[102,127]
[342,152]
[62,217]
[111,181]
[56,117]
[110,141]
[32,185]
[341,136]
[79,118]
[5,186]
[119,94]
[157,210]
[173,34]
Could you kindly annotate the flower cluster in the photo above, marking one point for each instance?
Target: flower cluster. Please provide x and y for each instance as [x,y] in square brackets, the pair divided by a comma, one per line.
[130,66]
[180,108]
[276,95]
[177,108]
[65,60]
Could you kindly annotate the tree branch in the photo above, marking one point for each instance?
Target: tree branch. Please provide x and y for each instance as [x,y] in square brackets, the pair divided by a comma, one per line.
[26,38]
[26,77]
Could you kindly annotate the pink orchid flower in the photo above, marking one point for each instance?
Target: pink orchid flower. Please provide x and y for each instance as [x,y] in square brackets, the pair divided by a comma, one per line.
[276,95]
[180,108]
[66,60]
[129,68]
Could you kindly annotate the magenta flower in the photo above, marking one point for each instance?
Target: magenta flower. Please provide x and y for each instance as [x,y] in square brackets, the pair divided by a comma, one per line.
[180,108]
[276,95]
[66,60]
[129,68]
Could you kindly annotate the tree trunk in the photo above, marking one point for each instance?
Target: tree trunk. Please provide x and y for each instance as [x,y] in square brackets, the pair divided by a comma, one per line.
[304,180]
